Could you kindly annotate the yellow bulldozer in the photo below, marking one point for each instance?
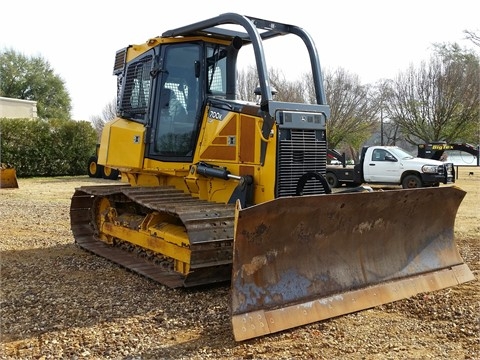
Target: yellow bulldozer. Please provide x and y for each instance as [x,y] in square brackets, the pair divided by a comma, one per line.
[95,170]
[8,177]
[218,189]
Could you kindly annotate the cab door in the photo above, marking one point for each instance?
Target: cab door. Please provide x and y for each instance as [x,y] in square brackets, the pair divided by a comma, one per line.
[381,166]
[177,103]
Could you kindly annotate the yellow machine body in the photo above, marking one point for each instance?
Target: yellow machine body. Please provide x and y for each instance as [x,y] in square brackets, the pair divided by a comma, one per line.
[8,177]
[215,189]
[220,146]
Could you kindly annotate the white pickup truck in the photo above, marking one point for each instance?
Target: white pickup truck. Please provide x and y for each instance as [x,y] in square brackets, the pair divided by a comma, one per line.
[391,165]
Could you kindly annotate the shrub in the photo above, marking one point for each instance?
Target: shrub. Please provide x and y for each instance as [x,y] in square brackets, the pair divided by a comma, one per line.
[46,147]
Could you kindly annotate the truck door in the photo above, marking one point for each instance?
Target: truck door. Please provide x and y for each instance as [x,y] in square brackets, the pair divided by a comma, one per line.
[381,166]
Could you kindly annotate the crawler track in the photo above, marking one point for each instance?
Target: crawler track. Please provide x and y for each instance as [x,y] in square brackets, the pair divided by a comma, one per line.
[209,227]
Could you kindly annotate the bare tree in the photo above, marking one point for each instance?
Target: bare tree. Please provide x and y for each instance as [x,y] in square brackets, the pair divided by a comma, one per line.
[285,90]
[353,107]
[438,101]
[388,131]
[291,91]
[247,81]
[109,112]
[353,111]
[473,37]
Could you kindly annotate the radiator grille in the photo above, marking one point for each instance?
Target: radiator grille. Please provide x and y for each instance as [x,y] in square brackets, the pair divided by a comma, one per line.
[300,152]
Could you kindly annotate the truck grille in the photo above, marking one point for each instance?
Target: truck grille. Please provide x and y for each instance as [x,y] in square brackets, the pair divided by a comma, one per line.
[300,151]
[450,172]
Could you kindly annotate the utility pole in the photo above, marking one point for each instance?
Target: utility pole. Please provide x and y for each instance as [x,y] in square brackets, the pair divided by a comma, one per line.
[381,125]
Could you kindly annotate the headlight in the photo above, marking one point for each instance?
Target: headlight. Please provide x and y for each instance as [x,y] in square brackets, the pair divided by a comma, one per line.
[429,169]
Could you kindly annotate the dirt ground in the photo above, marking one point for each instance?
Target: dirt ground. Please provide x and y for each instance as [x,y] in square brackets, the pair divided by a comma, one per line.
[60,302]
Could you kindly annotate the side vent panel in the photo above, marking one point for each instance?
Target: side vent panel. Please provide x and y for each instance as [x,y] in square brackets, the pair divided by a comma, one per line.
[300,151]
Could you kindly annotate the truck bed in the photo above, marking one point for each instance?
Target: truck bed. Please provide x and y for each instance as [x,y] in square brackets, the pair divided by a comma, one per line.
[338,175]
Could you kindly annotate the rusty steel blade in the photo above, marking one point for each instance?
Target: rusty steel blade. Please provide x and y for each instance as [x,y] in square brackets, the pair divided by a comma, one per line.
[299,260]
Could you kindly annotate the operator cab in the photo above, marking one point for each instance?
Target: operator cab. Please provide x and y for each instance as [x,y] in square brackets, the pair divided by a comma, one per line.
[165,88]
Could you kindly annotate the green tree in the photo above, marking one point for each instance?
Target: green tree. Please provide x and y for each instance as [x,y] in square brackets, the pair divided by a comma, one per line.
[32,78]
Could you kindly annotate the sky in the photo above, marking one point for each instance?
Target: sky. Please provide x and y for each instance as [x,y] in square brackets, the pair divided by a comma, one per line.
[370,38]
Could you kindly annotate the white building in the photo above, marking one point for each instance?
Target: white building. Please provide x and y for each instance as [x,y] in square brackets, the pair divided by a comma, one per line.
[17,108]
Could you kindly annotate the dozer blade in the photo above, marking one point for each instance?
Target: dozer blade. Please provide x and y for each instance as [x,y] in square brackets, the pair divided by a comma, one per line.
[298,260]
[8,178]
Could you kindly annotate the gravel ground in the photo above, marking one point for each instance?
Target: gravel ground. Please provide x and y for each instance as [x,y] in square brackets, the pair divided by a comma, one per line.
[59,302]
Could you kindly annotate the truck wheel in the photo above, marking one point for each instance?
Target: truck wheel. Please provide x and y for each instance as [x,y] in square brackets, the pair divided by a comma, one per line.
[332,180]
[94,170]
[411,181]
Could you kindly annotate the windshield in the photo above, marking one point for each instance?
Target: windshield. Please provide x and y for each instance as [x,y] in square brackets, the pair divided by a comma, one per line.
[400,153]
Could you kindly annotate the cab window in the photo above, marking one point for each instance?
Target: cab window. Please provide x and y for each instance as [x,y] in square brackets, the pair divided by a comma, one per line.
[216,70]
[133,103]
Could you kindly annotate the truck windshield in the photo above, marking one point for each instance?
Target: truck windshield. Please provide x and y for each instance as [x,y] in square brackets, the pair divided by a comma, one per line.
[400,153]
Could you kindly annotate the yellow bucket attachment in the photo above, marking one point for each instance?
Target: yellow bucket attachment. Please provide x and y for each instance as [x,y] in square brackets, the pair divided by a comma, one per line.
[298,260]
[8,177]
